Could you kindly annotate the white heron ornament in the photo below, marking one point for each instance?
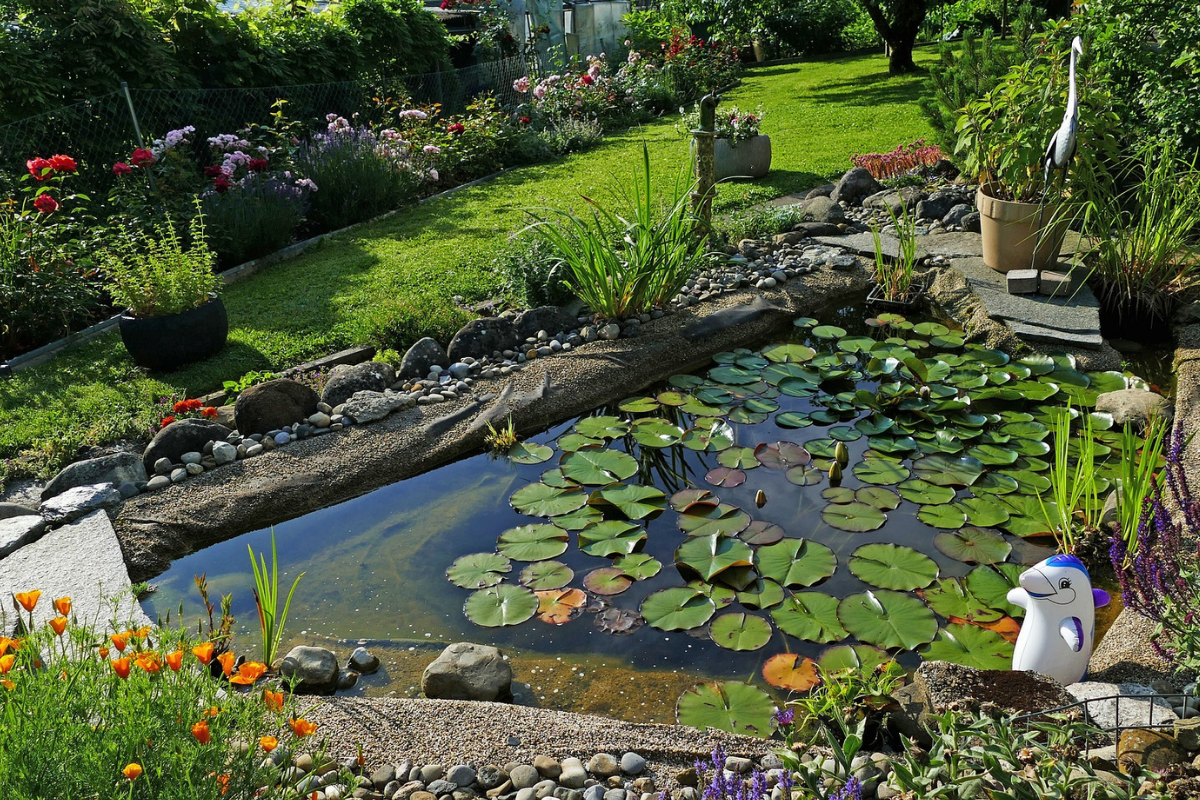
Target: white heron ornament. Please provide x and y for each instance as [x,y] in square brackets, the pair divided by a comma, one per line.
[1061,149]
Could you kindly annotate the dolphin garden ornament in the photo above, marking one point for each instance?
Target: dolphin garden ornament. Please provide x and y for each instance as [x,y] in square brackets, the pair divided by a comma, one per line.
[1060,618]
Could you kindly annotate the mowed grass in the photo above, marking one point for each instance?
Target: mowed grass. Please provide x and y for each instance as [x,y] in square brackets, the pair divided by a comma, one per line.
[401,274]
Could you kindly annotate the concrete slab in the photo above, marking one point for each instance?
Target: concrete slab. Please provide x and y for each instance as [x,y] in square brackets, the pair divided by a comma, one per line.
[82,561]
[947,245]
[1079,315]
[1068,339]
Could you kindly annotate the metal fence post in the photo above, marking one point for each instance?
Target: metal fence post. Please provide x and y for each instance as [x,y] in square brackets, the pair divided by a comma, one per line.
[137,128]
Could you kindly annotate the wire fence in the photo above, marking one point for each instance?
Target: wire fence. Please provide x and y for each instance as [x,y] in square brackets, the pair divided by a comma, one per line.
[101,130]
[1127,712]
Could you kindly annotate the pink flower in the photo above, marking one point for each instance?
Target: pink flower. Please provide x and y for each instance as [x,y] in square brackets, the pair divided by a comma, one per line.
[121,168]
[521,84]
[431,149]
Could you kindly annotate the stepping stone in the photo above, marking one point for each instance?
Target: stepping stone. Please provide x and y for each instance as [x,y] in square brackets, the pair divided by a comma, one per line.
[947,245]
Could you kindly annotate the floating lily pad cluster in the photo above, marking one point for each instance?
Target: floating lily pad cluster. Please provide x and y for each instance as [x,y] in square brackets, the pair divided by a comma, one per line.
[957,429]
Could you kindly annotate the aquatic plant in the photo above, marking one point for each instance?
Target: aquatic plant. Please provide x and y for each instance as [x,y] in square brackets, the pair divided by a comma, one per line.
[895,275]
[1074,507]
[1139,475]
[266,598]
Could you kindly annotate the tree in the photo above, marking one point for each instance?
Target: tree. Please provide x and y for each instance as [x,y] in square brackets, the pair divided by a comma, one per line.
[898,22]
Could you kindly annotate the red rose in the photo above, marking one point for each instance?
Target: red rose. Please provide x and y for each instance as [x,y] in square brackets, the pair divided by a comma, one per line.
[121,168]
[142,158]
[45,204]
[39,168]
[525,120]
[456,129]
[221,184]
[61,163]
[257,164]
[588,80]
[213,171]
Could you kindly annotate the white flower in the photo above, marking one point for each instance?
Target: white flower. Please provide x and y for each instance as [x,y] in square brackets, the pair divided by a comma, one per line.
[431,149]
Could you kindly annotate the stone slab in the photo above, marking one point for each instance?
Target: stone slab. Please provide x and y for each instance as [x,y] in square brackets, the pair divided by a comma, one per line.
[1068,339]
[947,245]
[16,532]
[82,561]
[1132,710]
[1079,316]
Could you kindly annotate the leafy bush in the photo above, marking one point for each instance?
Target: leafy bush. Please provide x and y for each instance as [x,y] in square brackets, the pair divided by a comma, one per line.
[255,217]
[648,29]
[397,324]
[759,221]
[155,275]
[570,135]
[532,274]
[397,37]
[906,159]
[824,26]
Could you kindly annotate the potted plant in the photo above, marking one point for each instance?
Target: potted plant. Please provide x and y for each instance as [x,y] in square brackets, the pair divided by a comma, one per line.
[172,315]
[740,150]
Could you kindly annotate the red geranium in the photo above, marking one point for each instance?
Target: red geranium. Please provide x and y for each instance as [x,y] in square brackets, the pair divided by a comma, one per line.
[45,204]
[221,184]
[142,158]
[121,168]
[456,129]
[39,168]
[166,421]
[61,163]
[525,120]
[257,164]
[208,412]
[213,171]
[187,405]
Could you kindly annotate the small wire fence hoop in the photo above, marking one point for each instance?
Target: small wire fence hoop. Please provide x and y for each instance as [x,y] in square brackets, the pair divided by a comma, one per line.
[1156,709]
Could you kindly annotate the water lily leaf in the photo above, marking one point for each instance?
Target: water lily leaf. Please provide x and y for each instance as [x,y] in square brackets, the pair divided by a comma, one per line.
[602,427]
[843,433]
[533,542]
[887,619]
[640,405]
[804,322]
[574,441]
[856,344]
[607,581]
[859,657]
[580,519]
[1026,430]
[821,448]
[883,499]
[944,516]
[540,500]
[684,498]
[987,357]
[839,494]
[789,353]
[1106,381]
[992,585]
[740,631]
[854,517]
[891,566]
[880,471]
[995,483]
[611,538]
[781,455]
[696,408]
[714,395]
[811,616]
[1038,363]
[948,341]
[824,416]
[704,519]
[728,706]
[543,575]
[952,597]
[738,458]
[678,608]
[793,419]
[777,374]
[924,492]
[499,606]
[685,381]
[930,329]
[734,376]
[636,502]
[804,476]
[673,399]
[724,476]
[792,672]
[529,453]
[828,332]
[638,566]
[1034,390]
[721,595]
[761,594]
[973,545]
[1027,482]
[598,467]
[719,436]
[795,562]
[993,455]
[478,570]
[709,556]
[874,425]
[970,646]
[751,361]
[985,512]
[760,532]
[555,478]
[946,470]
[558,606]
[655,432]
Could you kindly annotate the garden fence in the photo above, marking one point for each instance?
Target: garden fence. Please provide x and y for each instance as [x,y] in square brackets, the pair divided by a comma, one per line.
[104,129]
[1142,712]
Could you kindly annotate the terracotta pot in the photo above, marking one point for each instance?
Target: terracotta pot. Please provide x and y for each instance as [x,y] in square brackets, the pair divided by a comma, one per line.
[750,159]
[170,341]
[1011,232]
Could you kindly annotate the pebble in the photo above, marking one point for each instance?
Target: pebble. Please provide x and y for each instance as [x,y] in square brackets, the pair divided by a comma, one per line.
[224,453]
[282,438]
[431,772]
[441,787]
[610,331]
[459,774]
[524,776]
[603,765]
[254,450]
[632,764]
[157,482]
[179,475]
[163,466]
[573,773]
[544,789]
[190,458]
[320,419]
[596,792]
[547,767]
[193,469]
[489,777]
[738,764]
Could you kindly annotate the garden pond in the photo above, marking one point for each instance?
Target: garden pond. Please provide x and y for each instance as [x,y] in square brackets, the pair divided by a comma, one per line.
[699,530]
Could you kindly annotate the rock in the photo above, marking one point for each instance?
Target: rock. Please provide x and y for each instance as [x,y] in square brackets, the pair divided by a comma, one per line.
[524,777]
[970,222]
[432,772]
[347,679]
[823,190]
[482,337]
[610,331]
[738,764]
[16,532]
[1187,734]
[1139,749]
[615,794]
[896,201]
[853,186]
[1133,711]
[179,475]
[422,356]
[9,510]
[115,469]
[315,667]
[273,405]
[632,764]
[383,776]
[441,787]
[191,458]
[461,775]
[644,785]
[805,230]
[573,774]
[687,777]
[184,436]
[947,685]
[544,318]
[822,209]
[603,765]
[224,453]
[563,793]
[945,168]
[489,776]
[163,466]
[363,662]
[547,767]
[544,789]
[594,792]
[422,795]
[157,482]
[365,407]
[938,204]
[1136,406]
[75,503]
[466,671]
[956,214]
[344,381]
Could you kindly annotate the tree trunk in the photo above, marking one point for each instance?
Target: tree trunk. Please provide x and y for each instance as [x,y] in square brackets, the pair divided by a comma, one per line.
[900,59]
[897,22]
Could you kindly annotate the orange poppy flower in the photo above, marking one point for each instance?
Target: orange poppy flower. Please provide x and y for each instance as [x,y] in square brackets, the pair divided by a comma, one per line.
[7,684]
[204,652]
[248,673]
[28,599]
[212,711]
[223,782]
[175,660]
[103,651]
[148,662]
[302,727]
[274,700]
[6,663]
[132,771]
[227,660]
[268,743]
[120,640]
[6,644]
[121,667]
[140,633]
[200,731]
[63,605]
[58,625]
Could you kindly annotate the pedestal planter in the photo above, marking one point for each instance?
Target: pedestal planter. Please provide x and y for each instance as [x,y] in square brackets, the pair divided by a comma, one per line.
[750,159]
[168,342]
[1011,232]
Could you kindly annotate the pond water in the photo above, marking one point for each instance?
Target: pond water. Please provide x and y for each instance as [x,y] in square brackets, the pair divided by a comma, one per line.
[376,566]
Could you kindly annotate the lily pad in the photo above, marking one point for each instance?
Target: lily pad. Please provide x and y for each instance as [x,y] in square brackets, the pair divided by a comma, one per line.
[719,436]
[611,538]
[804,476]
[579,519]
[533,542]
[529,453]
[992,585]
[762,594]
[598,467]
[953,598]
[760,532]
[638,566]
[732,375]
[943,516]
[924,492]
[973,545]
[709,556]
[499,606]
[793,419]
[725,476]
[859,657]
[795,562]
[543,575]
[828,332]
[618,621]
[607,581]
[993,455]
[881,498]
[789,353]
[678,608]
[684,498]
[811,616]
[792,672]
[639,405]
[541,500]
[740,631]
[573,441]
[558,606]
[970,646]
[880,471]
[891,566]
[944,470]
[854,517]
[839,494]
[728,706]
[782,455]
[738,458]
[703,519]
[478,570]
[602,427]
[636,502]
[888,619]
[655,432]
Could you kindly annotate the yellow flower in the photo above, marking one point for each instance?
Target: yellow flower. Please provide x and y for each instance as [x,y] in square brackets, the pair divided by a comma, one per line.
[268,743]
[132,771]
[58,624]
[28,599]
[63,606]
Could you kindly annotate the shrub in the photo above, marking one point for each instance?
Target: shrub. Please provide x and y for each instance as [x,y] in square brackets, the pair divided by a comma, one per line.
[397,324]
[906,159]
[825,26]
[397,37]
[570,135]
[760,221]
[532,274]
[255,216]
[158,275]
[648,29]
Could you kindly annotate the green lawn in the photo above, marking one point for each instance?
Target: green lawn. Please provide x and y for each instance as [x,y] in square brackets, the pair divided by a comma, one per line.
[409,266]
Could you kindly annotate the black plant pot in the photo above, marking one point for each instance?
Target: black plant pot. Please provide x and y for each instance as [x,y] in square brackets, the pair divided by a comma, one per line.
[168,342]
[1122,317]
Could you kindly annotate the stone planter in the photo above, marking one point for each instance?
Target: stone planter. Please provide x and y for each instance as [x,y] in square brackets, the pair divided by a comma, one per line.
[168,342]
[750,159]
[1012,231]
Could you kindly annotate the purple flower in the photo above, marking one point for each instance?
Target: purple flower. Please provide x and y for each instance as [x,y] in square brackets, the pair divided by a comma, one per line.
[784,716]
[851,791]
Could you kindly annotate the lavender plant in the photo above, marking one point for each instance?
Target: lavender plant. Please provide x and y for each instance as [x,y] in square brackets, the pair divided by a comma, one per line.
[723,784]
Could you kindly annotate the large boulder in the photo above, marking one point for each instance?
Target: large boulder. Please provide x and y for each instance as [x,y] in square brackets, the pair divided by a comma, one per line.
[466,671]
[271,405]
[315,668]
[822,209]
[482,337]
[16,532]
[344,381]
[423,357]
[75,503]
[15,510]
[115,469]
[551,319]
[856,184]
[1136,406]
[897,201]
[938,204]
[182,436]
[374,406]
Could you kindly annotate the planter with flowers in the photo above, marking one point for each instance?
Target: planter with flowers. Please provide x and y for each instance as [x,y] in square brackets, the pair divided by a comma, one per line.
[741,150]
[173,315]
